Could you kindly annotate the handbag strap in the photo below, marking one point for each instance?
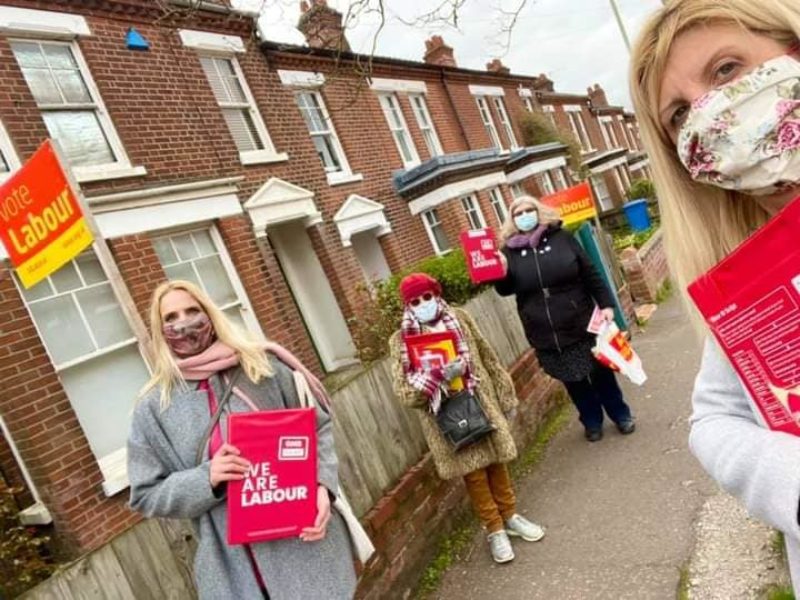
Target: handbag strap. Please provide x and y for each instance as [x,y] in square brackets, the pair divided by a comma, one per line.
[304,394]
[226,395]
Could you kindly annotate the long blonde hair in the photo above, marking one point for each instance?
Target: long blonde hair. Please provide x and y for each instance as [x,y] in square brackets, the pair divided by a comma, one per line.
[547,215]
[166,374]
[702,224]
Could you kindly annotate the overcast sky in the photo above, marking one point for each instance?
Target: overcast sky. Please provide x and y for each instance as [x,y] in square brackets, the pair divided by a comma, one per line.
[575,42]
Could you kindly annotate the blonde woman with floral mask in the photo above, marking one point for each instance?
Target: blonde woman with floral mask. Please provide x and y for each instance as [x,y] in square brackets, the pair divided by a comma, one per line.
[557,288]
[716,87]
[179,467]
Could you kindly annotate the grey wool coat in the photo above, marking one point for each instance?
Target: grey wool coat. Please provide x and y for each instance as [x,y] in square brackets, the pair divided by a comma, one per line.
[758,466]
[165,482]
[497,396]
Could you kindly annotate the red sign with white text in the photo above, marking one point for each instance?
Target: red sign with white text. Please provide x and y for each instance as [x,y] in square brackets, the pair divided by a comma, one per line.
[41,224]
[574,204]
[751,301]
[480,252]
[278,496]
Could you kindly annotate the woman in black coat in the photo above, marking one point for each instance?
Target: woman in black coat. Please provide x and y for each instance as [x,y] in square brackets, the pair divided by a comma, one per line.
[557,287]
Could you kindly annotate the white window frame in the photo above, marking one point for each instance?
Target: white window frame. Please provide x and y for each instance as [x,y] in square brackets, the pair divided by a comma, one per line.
[528,103]
[9,153]
[498,202]
[609,135]
[427,216]
[575,115]
[242,299]
[472,208]
[605,201]
[390,104]
[621,122]
[550,112]
[505,121]
[121,166]
[267,154]
[547,184]
[561,179]
[345,173]
[517,191]
[419,106]
[634,140]
[488,122]
[113,466]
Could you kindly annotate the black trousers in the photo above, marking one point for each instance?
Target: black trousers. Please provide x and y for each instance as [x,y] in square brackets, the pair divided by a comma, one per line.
[599,391]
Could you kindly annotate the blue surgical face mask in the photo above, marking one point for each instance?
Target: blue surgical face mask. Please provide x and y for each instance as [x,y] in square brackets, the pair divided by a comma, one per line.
[527,221]
[426,311]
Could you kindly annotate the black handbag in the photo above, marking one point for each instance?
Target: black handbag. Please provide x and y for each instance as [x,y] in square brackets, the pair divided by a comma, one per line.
[462,420]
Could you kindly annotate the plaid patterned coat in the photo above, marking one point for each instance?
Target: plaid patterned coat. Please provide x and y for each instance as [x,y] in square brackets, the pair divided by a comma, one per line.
[496,391]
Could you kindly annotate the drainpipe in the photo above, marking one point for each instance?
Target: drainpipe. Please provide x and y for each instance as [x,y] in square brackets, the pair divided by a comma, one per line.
[453,106]
[37,514]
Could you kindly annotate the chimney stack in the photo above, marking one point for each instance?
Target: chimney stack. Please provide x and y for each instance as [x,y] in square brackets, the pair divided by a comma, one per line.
[439,53]
[322,26]
[544,83]
[597,96]
[497,66]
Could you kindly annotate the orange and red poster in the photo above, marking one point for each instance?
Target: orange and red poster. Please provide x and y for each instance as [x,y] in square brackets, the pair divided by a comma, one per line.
[427,351]
[41,223]
[574,204]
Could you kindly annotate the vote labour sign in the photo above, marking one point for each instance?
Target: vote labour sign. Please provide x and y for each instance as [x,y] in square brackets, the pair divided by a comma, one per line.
[575,204]
[41,223]
[278,496]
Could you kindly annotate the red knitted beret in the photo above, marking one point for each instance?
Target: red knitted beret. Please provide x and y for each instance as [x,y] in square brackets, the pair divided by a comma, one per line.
[416,284]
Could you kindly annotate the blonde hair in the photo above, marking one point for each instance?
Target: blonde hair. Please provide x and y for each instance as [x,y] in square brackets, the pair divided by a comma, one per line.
[166,374]
[547,215]
[702,224]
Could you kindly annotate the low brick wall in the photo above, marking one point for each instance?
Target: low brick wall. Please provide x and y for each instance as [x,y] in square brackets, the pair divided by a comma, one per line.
[406,524]
[646,269]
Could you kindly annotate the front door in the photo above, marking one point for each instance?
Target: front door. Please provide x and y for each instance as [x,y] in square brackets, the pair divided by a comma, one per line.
[312,291]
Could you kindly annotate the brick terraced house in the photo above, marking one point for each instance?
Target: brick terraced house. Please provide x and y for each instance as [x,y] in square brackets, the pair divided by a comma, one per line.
[280,178]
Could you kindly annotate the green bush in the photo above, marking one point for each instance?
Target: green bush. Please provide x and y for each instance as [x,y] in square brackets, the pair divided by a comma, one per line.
[641,188]
[24,557]
[382,309]
[625,238]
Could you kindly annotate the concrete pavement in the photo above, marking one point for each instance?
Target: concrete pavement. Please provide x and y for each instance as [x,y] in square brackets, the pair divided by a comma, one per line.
[619,513]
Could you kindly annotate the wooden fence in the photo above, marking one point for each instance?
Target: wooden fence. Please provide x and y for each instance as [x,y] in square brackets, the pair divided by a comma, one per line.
[377,442]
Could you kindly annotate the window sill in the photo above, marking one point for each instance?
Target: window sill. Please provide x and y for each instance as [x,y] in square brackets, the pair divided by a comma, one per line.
[444,252]
[260,157]
[35,515]
[341,179]
[85,175]
[112,487]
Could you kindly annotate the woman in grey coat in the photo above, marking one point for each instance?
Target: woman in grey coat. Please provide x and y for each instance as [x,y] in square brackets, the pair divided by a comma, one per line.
[716,87]
[197,353]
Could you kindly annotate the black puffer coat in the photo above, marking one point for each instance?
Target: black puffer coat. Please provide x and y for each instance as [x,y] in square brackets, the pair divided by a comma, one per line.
[557,287]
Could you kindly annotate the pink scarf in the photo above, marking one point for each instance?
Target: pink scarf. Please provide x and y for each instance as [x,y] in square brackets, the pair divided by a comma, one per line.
[219,357]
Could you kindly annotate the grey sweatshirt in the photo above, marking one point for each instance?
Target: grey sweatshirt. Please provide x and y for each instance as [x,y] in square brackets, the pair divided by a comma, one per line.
[758,466]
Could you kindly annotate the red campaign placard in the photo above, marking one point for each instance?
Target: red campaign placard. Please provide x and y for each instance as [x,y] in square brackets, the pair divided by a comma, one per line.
[480,252]
[278,498]
[751,301]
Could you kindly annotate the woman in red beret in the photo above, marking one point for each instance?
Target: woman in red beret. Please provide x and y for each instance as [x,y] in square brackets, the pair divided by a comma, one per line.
[483,464]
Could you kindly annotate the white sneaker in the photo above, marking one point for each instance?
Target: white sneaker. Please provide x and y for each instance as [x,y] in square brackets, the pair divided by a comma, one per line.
[500,547]
[519,526]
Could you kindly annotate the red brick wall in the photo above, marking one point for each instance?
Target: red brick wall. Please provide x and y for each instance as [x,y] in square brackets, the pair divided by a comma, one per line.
[646,269]
[140,268]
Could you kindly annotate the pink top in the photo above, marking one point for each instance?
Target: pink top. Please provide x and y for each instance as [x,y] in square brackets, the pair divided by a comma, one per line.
[214,444]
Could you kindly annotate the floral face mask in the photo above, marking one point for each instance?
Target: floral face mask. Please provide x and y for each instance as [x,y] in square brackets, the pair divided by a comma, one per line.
[189,336]
[745,135]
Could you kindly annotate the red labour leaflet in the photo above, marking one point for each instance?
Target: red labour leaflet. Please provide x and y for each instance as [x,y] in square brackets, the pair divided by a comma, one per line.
[278,497]
[751,301]
[480,252]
